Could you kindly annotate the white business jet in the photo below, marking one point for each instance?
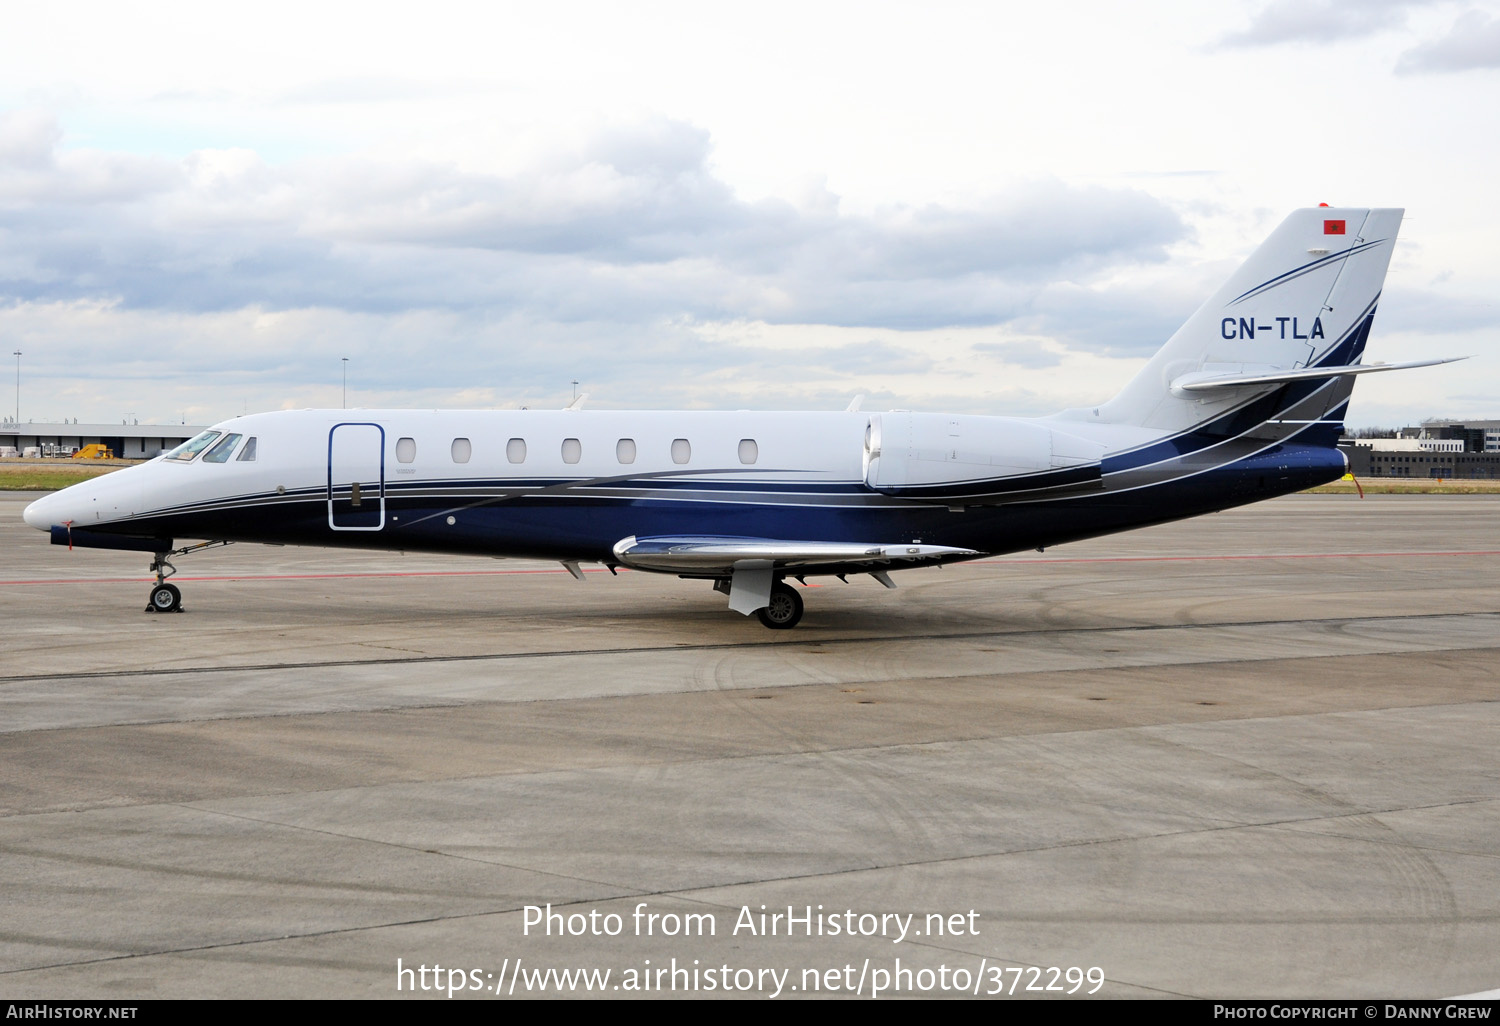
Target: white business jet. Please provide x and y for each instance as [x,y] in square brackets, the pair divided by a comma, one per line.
[1245,402]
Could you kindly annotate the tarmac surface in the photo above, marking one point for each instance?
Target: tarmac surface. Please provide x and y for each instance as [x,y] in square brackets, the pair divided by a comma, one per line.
[1250,755]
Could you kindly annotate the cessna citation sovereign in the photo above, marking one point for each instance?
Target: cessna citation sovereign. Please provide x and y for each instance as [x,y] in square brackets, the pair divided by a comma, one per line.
[1245,402]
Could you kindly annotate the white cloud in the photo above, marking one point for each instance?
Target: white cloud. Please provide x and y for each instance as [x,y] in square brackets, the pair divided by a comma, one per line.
[1320,21]
[635,227]
[98,360]
[35,171]
[1473,43]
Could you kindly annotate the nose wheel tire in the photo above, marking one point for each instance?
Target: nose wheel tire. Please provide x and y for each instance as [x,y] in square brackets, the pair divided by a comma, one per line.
[784,611]
[165,598]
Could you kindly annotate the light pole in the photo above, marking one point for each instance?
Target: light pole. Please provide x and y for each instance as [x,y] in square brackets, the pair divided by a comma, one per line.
[18,387]
[346,381]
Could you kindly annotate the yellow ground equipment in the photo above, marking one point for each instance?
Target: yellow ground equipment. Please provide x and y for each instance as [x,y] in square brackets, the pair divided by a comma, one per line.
[94,452]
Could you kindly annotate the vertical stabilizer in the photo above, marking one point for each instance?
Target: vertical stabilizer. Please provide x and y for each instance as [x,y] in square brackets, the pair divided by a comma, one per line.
[1304,298]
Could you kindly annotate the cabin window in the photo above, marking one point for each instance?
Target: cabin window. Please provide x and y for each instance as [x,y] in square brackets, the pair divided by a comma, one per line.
[220,453]
[625,450]
[406,450]
[749,451]
[515,450]
[572,450]
[193,446]
[462,450]
[682,450]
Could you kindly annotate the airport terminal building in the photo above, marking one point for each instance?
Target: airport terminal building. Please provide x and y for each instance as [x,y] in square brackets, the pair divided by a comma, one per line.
[124,441]
[1437,449]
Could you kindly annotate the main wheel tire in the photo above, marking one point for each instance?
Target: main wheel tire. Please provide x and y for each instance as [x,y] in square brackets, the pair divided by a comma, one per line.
[784,611]
[165,598]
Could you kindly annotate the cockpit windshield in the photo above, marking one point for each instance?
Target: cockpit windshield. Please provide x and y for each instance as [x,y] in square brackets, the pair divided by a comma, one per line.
[220,453]
[193,446]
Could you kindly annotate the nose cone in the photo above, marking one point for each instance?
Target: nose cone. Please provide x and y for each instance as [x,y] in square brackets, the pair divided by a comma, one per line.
[104,500]
[40,514]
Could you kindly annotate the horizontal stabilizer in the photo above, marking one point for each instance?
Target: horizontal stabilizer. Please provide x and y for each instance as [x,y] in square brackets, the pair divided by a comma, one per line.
[1207,381]
[710,554]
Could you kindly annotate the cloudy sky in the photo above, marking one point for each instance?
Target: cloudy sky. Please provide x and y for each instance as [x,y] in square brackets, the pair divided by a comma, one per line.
[990,207]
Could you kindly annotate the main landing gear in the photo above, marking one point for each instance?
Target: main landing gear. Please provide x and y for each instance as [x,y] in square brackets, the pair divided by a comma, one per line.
[784,610]
[167,598]
[783,606]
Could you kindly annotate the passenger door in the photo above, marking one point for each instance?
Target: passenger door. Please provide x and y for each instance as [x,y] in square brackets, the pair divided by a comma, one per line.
[356,477]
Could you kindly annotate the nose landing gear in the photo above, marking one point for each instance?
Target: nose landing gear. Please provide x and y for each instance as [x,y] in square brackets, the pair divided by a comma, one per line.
[167,598]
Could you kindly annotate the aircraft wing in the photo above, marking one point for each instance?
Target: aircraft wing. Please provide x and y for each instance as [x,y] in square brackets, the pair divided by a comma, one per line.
[709,554]
[751,564]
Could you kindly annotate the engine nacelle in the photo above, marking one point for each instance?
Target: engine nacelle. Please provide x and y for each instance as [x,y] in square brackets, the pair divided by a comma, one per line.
[940,456]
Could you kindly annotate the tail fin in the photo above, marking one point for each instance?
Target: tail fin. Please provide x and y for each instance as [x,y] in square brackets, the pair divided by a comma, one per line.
[1304,299]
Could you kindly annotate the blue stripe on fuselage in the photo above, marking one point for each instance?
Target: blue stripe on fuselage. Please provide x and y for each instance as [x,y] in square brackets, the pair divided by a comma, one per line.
[559,526]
